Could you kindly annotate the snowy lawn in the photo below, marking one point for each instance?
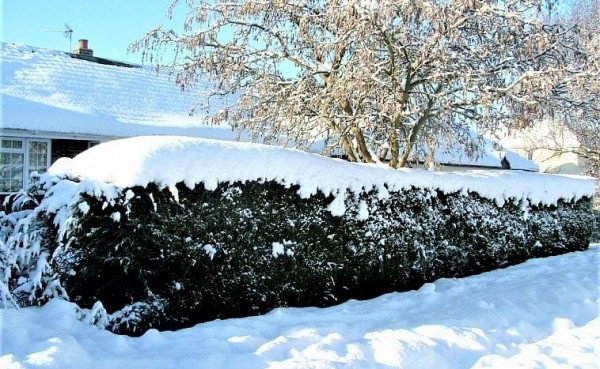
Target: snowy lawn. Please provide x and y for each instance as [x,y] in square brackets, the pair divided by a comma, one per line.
[540,314]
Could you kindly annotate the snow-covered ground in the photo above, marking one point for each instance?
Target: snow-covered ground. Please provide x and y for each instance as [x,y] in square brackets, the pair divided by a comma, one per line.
[540,314]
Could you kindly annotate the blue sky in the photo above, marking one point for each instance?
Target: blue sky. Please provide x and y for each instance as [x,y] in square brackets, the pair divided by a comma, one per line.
[109,25]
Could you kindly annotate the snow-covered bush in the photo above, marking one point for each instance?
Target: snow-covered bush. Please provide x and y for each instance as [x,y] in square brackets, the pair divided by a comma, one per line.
[223,240]
[26,240]
[244,248]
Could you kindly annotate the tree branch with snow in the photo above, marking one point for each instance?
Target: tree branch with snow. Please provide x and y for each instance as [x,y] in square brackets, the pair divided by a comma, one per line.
[375,81]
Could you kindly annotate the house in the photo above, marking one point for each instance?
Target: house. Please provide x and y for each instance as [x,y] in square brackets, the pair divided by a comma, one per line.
[492,156]
[57,104]
[551,145]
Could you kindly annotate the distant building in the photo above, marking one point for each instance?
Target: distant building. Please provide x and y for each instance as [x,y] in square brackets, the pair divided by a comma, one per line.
[551,145]
[492,156]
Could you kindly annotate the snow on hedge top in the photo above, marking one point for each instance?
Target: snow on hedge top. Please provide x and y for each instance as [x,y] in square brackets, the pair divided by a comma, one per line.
[167,160]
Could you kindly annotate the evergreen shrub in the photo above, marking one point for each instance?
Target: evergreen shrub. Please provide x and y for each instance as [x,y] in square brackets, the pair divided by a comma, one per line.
[170,258]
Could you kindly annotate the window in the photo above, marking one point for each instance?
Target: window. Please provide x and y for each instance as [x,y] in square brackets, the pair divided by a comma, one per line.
[18,159]
[38,157]
[12,161]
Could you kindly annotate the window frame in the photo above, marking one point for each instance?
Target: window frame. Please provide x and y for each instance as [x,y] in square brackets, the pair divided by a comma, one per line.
[26,159]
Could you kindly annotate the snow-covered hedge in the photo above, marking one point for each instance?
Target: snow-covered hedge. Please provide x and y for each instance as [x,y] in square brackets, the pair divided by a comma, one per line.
[187,230]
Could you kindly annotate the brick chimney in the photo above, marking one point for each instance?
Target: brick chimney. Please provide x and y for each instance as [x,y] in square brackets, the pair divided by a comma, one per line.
[82,49]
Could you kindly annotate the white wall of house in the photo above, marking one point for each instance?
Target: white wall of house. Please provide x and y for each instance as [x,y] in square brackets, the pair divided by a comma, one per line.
[550,161]
[549,145]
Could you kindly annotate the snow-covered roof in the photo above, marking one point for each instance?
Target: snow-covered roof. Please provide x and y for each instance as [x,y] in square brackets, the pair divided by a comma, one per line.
[490,157]
[142,160]
[50,93]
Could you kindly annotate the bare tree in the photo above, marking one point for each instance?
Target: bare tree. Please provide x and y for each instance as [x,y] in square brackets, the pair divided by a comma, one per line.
[581,98]
[374,78]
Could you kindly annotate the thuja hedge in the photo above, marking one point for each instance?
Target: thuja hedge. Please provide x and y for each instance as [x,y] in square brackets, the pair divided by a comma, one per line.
[169,261]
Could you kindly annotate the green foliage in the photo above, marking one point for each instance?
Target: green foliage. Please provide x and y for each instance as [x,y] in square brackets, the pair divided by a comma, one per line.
[164,260]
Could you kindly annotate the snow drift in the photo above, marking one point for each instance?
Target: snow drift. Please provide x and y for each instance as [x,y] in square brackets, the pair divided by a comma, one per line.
[540,314]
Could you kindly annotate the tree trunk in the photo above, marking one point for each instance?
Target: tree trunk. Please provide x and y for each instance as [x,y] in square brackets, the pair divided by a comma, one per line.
[394,148]
[416,130]
[410,141]
[346,144]
[393,137]
[362,145]
[414,134]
